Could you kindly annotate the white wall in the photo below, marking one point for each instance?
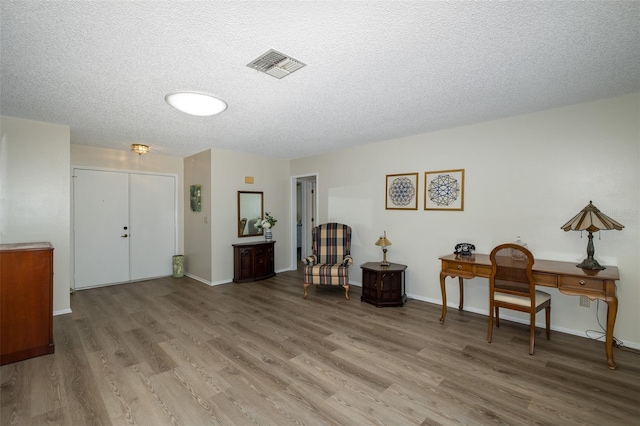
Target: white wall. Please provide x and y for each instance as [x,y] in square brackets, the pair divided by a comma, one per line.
[35,193]
[525,176]
[197,225]
[271,176]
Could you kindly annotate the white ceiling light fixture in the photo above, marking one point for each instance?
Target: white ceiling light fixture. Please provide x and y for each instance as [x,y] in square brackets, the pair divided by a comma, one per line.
[195,103]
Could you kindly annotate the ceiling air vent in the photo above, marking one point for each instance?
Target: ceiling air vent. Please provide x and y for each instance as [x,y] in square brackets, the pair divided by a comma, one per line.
[275,64]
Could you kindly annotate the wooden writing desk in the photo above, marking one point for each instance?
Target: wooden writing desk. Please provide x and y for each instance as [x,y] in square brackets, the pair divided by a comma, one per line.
[564,276]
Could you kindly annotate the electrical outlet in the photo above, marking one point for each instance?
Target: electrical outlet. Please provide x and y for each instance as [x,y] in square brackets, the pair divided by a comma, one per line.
[584,301]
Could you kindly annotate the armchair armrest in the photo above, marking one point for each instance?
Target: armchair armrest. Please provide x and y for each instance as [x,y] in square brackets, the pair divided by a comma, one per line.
[310,260]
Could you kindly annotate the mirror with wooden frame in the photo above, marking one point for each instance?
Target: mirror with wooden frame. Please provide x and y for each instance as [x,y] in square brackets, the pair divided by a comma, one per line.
[250,212]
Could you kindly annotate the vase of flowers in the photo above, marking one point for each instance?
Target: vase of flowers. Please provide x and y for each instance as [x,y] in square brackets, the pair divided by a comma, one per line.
[267,223]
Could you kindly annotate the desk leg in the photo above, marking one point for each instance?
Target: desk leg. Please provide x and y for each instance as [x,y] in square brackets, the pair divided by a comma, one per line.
[443,290]
[460,280]
[612,311]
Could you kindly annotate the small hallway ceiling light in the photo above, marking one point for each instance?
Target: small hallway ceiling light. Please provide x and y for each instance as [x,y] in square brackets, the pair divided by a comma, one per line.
[195,103]
[139,148]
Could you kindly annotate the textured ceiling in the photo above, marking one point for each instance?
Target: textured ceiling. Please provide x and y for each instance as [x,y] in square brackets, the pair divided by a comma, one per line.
[375,70]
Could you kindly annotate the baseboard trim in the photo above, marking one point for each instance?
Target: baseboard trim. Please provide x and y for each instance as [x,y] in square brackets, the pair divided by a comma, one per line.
[197,278]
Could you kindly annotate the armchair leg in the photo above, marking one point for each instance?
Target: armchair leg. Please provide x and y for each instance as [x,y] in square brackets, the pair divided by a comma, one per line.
[346,291]
[305,286]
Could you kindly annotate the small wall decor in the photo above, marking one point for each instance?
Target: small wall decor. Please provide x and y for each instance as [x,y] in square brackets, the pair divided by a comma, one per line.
[195,198]
[444,190]
[402,192]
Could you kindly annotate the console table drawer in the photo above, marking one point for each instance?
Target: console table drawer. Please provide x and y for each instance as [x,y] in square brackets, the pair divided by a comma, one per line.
[459,267]
[578,283]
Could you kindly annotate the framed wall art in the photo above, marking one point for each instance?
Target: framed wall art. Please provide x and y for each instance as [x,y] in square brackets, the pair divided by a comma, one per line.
[444,190]
[195,194]
[402,192]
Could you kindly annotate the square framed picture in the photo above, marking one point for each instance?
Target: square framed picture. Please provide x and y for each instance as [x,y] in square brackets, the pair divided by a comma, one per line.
[402,192]
[444,190]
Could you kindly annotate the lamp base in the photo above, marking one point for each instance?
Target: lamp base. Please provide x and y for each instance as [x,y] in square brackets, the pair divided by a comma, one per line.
[590,263]
[384,257]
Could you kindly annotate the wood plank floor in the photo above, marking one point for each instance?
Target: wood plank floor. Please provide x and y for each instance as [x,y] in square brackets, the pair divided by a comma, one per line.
[175,351]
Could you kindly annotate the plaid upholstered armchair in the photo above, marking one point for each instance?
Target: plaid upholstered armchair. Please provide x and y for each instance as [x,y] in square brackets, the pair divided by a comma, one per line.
[331,258]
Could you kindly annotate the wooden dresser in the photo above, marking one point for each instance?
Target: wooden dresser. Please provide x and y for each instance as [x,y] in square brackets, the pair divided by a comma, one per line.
[253,261]
[26,299]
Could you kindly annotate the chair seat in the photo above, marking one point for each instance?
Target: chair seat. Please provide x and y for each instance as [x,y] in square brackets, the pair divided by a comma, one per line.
[541,297]
[325,270]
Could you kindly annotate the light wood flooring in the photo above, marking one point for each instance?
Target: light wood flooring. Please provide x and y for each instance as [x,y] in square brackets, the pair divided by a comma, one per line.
[177,352]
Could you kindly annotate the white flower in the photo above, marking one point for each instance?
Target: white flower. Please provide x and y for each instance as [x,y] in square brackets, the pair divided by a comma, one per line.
[267,223]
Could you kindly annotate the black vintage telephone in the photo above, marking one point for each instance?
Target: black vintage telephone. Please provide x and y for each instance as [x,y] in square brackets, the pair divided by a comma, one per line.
[464,249]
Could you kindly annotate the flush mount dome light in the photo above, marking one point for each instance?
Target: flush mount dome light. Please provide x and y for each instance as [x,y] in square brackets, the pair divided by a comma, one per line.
[195,103]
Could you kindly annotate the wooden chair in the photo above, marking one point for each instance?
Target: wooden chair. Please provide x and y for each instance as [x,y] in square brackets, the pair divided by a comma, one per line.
[242,225]
[331,258]
[511,286]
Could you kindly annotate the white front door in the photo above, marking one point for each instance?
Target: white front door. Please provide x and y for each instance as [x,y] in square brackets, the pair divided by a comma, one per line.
[101,222]
[152,219]
[124,226]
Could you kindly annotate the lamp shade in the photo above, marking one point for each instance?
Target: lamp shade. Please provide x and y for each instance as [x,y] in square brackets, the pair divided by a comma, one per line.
[591,219]
[382,241]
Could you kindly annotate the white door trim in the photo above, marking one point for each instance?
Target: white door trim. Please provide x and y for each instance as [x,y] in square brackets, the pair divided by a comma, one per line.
[294,207]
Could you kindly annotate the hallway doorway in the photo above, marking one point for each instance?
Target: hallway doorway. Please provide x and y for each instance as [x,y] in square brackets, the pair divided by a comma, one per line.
[304,204]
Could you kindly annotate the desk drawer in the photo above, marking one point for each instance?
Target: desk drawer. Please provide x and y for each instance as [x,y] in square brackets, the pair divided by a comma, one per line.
[547,280]
[582,284]
[458,267]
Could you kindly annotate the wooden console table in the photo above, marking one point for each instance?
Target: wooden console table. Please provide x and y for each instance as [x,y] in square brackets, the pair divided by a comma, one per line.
[253,261]
[564,276]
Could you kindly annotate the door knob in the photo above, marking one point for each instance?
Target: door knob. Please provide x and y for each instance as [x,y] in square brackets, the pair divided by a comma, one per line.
[124,236]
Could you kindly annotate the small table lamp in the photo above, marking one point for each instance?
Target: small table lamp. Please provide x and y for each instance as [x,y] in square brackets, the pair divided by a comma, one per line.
[591,219]
[383,242]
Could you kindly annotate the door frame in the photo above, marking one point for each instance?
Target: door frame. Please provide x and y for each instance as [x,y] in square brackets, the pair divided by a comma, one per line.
[315,177]
[128,171]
